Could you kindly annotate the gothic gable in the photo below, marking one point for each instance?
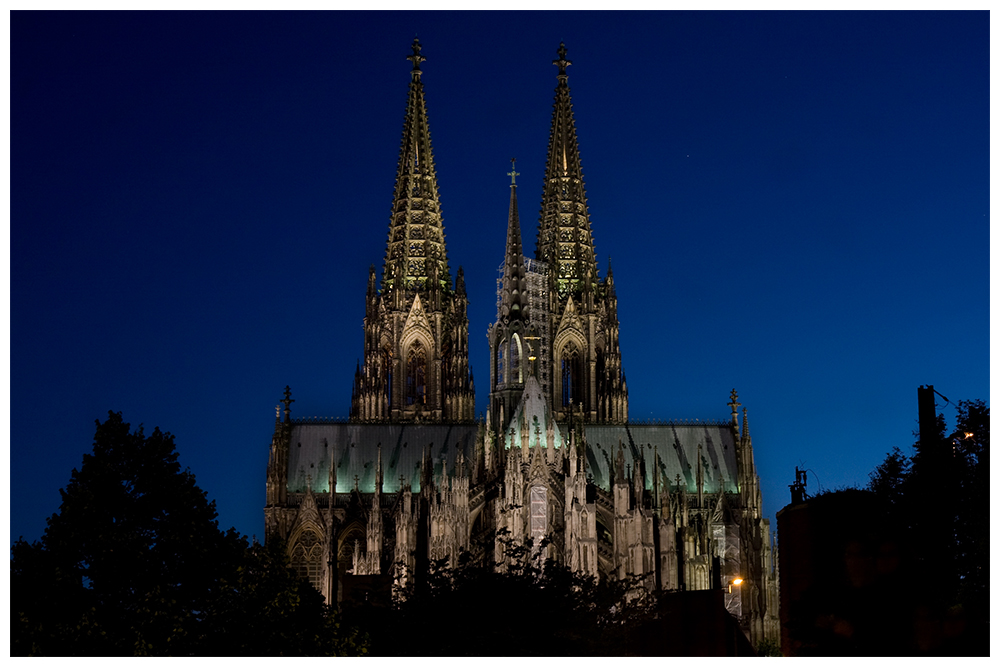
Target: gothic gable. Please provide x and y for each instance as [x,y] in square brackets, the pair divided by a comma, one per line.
[417,326]
[570,327]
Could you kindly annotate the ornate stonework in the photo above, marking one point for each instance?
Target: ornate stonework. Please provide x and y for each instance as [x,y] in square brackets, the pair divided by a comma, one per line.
[412,478]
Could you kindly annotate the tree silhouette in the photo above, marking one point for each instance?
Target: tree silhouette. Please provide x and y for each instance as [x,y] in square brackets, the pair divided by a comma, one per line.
[134,563]
[937,501]
[533,608]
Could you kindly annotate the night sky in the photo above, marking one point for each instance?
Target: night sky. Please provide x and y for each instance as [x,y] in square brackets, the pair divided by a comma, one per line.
[795,205]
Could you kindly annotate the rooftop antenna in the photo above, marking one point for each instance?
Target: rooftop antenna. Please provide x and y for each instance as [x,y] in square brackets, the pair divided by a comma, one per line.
[799,494]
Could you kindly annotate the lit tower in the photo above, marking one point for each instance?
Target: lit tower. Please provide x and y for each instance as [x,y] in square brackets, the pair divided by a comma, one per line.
[582,367]
[416,352]
[515,344]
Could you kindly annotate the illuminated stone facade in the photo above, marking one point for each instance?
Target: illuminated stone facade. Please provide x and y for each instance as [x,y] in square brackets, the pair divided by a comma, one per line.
[412,478]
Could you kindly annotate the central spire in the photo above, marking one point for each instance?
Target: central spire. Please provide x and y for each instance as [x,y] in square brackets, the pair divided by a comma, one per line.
[415,258]
[565,240]
[514,283]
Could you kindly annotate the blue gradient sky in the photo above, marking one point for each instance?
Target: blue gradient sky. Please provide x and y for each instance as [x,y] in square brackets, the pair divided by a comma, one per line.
[795,204]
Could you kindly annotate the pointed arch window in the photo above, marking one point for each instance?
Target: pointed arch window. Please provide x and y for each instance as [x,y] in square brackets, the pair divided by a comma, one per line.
[416,375]
[500,358]
[307,558]
[601,368]
[516,372]
[572,376]
[386,362]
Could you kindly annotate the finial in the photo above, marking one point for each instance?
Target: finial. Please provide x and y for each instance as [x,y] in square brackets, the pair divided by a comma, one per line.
[288,400]
[415,57]
[513,174]
[562,63]
[734,405]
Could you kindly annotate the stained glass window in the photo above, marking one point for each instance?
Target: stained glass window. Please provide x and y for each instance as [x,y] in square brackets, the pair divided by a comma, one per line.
[307,558]
[515,359]
[416,375]
[500,368]
[572,376]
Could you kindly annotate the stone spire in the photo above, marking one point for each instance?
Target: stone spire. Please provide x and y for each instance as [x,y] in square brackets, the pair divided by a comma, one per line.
[416,362]
[416,233]
[512,300]
[565,241]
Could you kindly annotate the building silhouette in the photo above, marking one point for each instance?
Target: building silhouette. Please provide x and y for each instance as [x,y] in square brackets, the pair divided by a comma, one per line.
[412,477]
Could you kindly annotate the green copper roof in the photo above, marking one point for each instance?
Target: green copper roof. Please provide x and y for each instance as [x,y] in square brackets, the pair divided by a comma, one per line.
[355,448]
[677,446]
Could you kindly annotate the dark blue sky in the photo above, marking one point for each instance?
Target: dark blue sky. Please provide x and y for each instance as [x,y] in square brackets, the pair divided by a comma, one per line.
[795,205]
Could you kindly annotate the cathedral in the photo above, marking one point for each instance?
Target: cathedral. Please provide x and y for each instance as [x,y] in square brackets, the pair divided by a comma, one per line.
[412,476]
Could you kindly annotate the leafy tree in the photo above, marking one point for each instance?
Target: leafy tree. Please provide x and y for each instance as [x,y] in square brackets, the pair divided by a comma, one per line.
[888,478]
[938,504]
[533,608]
[266,609]
[769,648]
[972,530]
[134,563]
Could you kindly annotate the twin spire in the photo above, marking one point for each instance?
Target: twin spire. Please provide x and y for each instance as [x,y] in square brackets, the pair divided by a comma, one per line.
[565,240]
[416,258]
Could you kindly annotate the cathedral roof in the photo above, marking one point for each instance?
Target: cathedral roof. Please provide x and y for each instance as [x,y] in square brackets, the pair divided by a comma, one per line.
[355,449]
[677,447]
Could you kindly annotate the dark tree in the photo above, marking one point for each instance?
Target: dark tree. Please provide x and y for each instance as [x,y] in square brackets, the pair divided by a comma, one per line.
[972,529]
[134,563]
[264,608]
[937,503]
[532,609]
[888,478]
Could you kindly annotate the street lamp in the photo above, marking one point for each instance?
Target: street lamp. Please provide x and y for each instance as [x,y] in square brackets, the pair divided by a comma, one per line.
[735,582]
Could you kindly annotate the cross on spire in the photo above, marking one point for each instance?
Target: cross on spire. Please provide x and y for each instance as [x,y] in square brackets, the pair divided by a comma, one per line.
[513,174]
[734,405]
[562,63]
[415,57]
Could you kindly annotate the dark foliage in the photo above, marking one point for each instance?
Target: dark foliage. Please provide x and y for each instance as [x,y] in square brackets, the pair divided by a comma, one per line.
[936,507]
[134,563]
[887,479]
[532,609]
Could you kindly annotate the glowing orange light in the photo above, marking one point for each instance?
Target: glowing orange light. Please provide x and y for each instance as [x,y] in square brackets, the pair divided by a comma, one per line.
[737,581]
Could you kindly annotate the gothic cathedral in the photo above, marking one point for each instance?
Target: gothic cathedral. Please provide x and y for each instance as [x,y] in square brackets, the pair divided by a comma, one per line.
[413,477]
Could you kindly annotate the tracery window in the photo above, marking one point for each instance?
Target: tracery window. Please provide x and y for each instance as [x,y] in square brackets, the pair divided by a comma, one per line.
[572,376]
[416,375]
[500,355]
[307,558]
[516,373]
[387,372]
